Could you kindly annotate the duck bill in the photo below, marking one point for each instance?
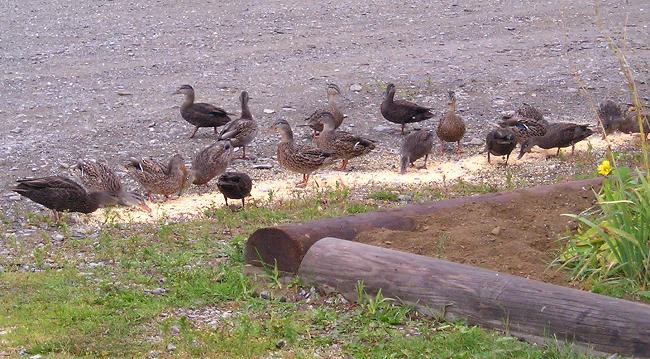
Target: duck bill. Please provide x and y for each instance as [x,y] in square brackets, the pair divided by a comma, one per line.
[143,206]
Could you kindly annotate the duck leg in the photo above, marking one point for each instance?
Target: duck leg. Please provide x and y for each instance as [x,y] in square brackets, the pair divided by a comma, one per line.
[458,150]
[57,218]
[343,165]
[558,152]
[424,166]
[489,157]
[226,199]
[196,129]
[402,129]
[442,148]
[243,155]
[215,130]
[507,157]
[243,203]
[303,183]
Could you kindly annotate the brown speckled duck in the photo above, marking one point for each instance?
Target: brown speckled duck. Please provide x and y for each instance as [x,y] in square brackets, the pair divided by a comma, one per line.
[333,93]
[242,131]
[416,145]
[299,158]
[524,128]
[613,119]
[561,134]
[61,194]
[235,185]
[200,114]
[402,111]
[158,178]
[500,142]
[342,145]
[97,176]
[210,162]
[451,127]
[529,111]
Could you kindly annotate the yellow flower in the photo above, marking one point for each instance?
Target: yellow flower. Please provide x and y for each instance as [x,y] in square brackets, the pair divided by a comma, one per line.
[604,168]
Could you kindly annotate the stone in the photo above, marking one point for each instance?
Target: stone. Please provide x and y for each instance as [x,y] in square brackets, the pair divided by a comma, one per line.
[496,231]
[263,166]
[175,330]
[265,295]
[356,87]
[269,111]
[171,347]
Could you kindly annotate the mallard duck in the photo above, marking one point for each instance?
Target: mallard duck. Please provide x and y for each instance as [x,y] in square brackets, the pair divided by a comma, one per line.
[613,119]
[60,193]
[402,111]
[243,130]
[561,134]
[210,162]
[299,158]
[416,145]
[333,93]
[158,178]
[631,123]
[97,176]
[451,127]
[200,114]
[524,128]
[235,185]
[342,145]
[500,142]
[610,115]
[529,111]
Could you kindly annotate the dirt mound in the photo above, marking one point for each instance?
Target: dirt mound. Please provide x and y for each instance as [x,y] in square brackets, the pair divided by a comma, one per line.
[519,237]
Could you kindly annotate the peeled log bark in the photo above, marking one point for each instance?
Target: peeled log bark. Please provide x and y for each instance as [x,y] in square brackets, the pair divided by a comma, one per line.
[287,244]
[525,308]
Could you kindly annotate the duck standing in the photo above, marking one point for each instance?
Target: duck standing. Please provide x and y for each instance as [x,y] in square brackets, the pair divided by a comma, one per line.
[500,142]
[200,114]
[451,127]
[561,134]
[416,145]
[60,194]
[333,94]
[210,162]
[299,158]
[97,176]
[402,111]
[235,185]
[242,131]
[342,145]
[158,178]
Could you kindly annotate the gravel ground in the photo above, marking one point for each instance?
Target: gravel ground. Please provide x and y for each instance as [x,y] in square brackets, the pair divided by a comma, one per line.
[94,79]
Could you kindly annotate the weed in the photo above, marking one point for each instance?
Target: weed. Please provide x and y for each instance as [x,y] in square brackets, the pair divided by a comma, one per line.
[384,195]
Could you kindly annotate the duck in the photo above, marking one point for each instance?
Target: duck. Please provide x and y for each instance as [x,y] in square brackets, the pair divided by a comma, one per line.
[451,127]
[610,116]
[98,176]
[210,162]
[342,145]
[200,114]
[500,142]
[613,119]
[303,159]
[560,134]
[402,111]
[333,93]
[416,145]
[529,111]
[62,194]
[235,185]
[157,178]
[242,131]
[524,128]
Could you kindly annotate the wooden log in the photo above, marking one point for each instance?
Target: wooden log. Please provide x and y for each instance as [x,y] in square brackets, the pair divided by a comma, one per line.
[525,308]
[287,244]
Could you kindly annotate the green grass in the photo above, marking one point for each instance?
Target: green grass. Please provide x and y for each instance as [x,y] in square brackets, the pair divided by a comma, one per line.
[383,195]
[101,296]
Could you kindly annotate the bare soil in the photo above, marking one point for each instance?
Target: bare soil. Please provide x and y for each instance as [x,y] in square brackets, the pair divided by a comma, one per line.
[519,237]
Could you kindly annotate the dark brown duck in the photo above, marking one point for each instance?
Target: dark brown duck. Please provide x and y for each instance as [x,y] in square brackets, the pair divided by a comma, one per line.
[402,111]
[235,185]
[200,114]
[558,135]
